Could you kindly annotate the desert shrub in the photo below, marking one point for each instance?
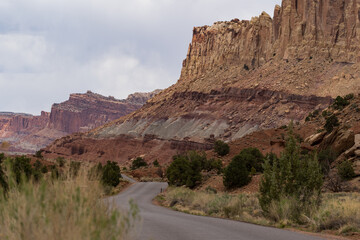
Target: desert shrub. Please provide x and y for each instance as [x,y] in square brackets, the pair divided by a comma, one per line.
[341,102]
[246,67]
[21,168]
[326,157]
[156,163]
[346,170]
[291,176]
[74,168]
[38,170]
[253,158]
[55,173]
[236,174]
[349,97]
[212,164]
[60,161]
[138,163]
[184,171]
[221,148]
[331,122]
[111,174]
[38,154]
[271,157]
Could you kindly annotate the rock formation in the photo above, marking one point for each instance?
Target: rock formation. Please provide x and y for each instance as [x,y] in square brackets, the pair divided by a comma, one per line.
[82,112]
[241,76]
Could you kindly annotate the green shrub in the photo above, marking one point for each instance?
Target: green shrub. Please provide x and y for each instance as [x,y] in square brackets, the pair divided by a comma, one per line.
[221,148]
[349,97]
[37,170]
[326,157]
[138,163]
[38,154]
[253,158]
[156,163]
[184,171]
[331,122]
[20,166]
[111,174]
[291,176]
[346,170]
[340,102]
[236,173]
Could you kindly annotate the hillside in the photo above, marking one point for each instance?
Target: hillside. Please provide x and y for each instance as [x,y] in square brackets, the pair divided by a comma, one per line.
[242,76]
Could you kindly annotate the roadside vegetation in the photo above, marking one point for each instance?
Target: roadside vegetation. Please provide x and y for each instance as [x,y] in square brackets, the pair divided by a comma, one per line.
[290,192]
[60,203]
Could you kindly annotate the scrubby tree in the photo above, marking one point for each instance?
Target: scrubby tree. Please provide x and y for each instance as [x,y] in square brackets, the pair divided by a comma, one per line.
[20,166]
[292,176]
[74,168]
[236,173]
[138,163]
[346,170]
[341,102]
[253,158]
[111,174]
[184,171]
[331,122]
[60,161]
[221,148]
[156,163]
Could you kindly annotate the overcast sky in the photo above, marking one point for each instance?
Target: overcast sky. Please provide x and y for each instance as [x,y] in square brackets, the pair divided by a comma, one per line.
[51,48]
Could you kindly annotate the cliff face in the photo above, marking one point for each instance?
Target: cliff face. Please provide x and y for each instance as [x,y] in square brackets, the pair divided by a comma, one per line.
[82,112]
[242,76]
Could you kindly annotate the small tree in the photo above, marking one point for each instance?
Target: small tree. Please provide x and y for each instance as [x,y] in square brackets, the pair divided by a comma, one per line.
[221,148]
[156,163]
[253,158]
[74,168]
[331,122]
[111,174]
[236,173]
[184,171]
[346,170]
[20,166]
[60,161]
[138,163]
[291,176]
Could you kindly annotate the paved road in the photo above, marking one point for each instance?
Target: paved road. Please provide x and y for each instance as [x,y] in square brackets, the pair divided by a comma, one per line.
[159,223]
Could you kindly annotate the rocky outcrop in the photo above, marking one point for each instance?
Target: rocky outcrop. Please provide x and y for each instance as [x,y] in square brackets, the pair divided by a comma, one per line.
[82,112]
[242,76]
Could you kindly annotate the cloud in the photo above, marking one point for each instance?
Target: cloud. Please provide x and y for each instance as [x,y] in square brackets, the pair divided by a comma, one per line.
[49,49]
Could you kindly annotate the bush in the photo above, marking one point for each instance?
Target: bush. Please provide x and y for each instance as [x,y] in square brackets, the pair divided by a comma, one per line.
[138,163]
[184,171]
[221,148]
[74,168]
[331,122]
[38,154]
[346,170]
[291,176]
[156,163]
[236,173]
[340,102]
[253,159]
[111,174]
[20,167]
[326,157]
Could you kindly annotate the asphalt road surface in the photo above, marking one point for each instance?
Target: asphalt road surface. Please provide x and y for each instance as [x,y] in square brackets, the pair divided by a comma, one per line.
[160,223]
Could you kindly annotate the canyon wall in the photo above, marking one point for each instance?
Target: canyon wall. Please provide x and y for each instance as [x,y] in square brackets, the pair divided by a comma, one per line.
[243,76]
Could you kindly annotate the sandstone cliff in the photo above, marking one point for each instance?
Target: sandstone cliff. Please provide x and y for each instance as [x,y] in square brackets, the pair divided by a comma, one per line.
[82,112]
[241,76]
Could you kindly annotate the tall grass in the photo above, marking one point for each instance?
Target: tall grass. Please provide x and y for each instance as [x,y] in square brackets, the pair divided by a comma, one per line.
[67,208]
[339,213]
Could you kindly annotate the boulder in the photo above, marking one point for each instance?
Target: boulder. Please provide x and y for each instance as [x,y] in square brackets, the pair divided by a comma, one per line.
[316,138]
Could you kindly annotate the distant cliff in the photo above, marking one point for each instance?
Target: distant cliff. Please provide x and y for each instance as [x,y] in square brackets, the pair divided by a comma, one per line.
[82,112]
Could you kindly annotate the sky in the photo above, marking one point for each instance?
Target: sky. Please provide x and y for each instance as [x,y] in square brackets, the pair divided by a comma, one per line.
[52,48]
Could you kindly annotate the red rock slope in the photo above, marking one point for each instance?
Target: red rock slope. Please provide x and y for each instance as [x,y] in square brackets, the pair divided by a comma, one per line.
[82,112]
[241,76]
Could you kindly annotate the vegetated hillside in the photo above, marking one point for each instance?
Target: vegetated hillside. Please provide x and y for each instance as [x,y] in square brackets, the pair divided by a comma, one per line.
[242,76]
[82,112]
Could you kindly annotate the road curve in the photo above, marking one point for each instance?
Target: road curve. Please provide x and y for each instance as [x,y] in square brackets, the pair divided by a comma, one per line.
[160,223]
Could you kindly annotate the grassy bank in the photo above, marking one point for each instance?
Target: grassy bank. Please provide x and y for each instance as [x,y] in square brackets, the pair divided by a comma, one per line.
[338,213]
[68,207]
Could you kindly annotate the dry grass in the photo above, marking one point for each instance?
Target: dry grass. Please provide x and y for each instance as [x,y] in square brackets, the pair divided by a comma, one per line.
[339,213]
[62,209]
